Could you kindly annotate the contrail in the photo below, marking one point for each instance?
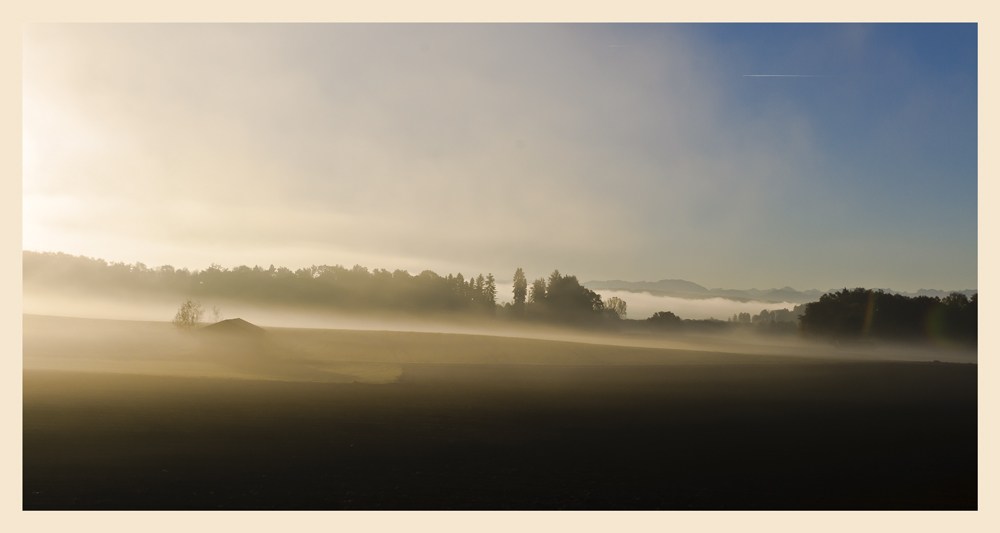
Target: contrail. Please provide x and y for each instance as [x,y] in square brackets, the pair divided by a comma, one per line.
[785,76]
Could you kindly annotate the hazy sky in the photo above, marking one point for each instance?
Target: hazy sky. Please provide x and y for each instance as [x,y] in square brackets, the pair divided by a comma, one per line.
[634,152]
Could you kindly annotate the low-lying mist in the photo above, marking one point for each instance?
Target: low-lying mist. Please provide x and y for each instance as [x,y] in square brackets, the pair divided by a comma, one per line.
[643,305]
[135,335]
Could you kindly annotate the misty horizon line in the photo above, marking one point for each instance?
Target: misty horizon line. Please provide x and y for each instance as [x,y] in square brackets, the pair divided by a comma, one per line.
[611,284]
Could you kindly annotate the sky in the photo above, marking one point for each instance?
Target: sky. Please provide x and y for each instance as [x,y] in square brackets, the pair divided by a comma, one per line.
[731,155]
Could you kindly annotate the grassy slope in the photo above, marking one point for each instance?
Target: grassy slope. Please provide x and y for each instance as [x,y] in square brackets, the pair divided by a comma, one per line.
[72,344]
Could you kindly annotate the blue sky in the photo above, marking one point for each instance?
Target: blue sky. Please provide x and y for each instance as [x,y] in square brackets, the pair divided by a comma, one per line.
[635,152]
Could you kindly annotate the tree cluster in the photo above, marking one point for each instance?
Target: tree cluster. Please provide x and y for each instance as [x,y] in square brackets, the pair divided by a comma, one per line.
[667,321]
[559,298]
[616,308]
[776,322]
[664,319]
[875,314]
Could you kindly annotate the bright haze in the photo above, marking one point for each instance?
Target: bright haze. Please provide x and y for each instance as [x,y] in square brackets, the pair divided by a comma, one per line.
[738,156]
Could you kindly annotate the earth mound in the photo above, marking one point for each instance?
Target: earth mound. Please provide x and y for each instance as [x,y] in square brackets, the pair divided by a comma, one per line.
[234,325]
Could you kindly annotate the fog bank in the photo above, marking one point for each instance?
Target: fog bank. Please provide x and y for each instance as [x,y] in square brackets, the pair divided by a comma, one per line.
[643,305]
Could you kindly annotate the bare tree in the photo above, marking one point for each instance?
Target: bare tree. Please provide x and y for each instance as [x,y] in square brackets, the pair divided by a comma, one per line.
[616,307]
[189,315]
[216,314]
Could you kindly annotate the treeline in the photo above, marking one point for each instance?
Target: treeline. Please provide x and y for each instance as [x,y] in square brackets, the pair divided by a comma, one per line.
[875,314]
[778,322]
[323,286]
[854,314]
[559,298]
[765,316]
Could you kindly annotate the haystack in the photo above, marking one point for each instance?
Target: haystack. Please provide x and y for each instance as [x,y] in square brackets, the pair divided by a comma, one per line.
[234,325]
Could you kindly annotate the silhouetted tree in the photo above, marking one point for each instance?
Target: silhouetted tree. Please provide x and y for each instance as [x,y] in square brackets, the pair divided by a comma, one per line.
[189,315]
[664,319]
[520,291]
[566,299]
[955,300]
[538,290]
[615,307]
[554,277]
[490,293]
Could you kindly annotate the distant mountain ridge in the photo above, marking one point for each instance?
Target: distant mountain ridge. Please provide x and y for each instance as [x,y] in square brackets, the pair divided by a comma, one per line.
[680,288]
[666,285]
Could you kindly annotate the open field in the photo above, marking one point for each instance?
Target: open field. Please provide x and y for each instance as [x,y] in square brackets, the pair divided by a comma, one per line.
[121,415]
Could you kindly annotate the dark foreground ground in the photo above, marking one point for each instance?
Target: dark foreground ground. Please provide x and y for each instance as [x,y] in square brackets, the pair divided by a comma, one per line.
[809,436]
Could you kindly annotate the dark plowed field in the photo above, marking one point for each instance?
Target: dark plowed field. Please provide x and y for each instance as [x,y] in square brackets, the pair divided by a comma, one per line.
[766,436]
